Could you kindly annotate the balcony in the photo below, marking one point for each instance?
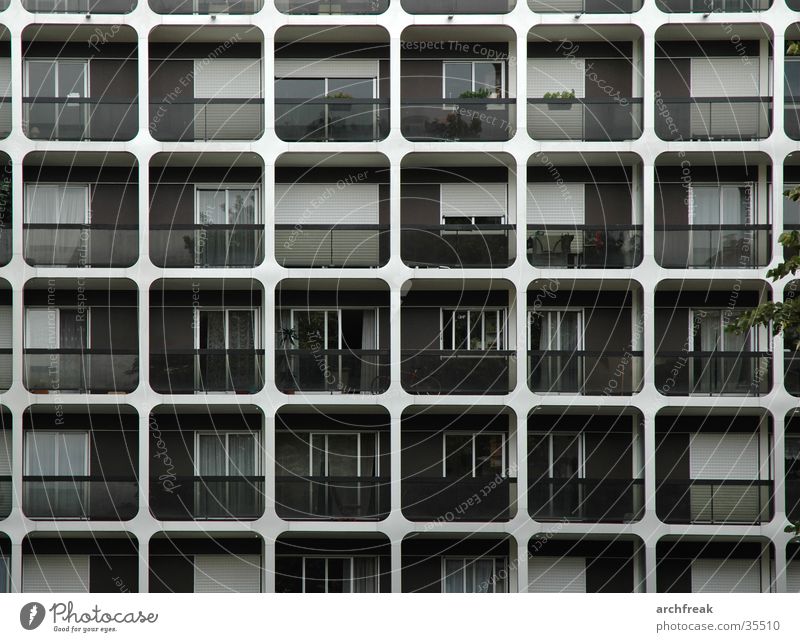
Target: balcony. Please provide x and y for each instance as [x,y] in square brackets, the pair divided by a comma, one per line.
[206,7]
[586,119]
[80,119]
[6,495]
[79,6]
[314,497]
[207,119]
[713,6]
[585,6]
[718,118]
[331,7]
[453,498]
[81,245]
[207,370]
[458,246]
[331,245]
[345,371]
[457,372]
[585,372]
[207,497]
[81,370]
[80,497]
[5,116]
[598,246]
[344,120]
[465,119]
[713,373]
[791,116]
[704,501]
[586,500]
[457,7]
[713,246]
[182,245]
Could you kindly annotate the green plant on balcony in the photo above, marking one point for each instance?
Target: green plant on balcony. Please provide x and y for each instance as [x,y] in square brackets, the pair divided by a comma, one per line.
[793,48]
[339,95]
[287,339]
[559,95]
[482,93]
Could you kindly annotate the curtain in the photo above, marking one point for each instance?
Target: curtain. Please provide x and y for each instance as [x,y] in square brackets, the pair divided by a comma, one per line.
[54,205]
[243,496]
[369,341]
[243,242]
[210,243]
[241,336]
[482,575]
[454,576]
[212,462]
[365,579]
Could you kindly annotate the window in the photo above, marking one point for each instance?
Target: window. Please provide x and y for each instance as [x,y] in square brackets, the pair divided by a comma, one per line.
[731,371]
[57,342]
[337,454]
[226,340]
[225,216]
[5,574]
[473,204]
[555,337]
[66,203]
[56,79]
[474,455]
[54,214]
[227,454]
[557,461]
[462,78]
[56,454]
[340,574]
[473,575]
[479,329]
[711,206]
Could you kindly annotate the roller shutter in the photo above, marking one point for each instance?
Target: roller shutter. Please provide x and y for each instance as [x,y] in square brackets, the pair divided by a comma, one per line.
[55,573]
[557,575]
[227,573]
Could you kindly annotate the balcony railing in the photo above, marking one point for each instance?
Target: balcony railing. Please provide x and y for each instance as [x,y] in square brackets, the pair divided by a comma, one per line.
[456,7]
[83,370]
[461,246]
[79,6]
[207,119]
[81,245]
[741,118]
[704,501]
[79,497]
[585,6]
[586,500]
[207,370]
[6,494]
[712,6]
[80,118]
[791,112]
[590,119]
[586,372]
[713,373]
[331,7]
[325,498]
[5,368]
[453,499]
[331,119]
[5,116]
[457,372]
[713,246]
[341,246]
[461,119]
[206,7]
[792,490]
[188,246]
[332,371]
[791,372]
[585,246]
[207,497]
[5,242]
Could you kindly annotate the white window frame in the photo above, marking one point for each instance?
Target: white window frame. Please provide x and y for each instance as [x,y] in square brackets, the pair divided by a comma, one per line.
[87,312]
[472,63]
[749,186]
[749,342]
[225,435]
[359,449]
[31,186]
[474,435]
[500,564]
[227,310]
[581,438]
[29,454]
[502,327]
[559,310]
[226,187]
[294,312]
[351,559]
[56,62]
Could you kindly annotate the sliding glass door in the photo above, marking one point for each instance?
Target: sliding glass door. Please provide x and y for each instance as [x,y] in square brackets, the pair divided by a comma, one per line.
[56,79]
[226,246]
[226,340]
[227,454]
[56,454]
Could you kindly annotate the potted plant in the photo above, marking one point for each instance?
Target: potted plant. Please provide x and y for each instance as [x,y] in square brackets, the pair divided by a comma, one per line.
[287,338]
[483,93]
[560,99]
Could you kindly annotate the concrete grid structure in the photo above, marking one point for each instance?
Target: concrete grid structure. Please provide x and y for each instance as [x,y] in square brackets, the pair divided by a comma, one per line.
[395,282]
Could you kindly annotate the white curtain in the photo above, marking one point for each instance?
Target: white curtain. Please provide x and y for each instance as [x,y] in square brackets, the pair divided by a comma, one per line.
[369,341]
[365,577]
[56,205]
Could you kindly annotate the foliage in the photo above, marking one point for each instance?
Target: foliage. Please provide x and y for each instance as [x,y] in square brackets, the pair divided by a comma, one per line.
[559,94]
[483,92]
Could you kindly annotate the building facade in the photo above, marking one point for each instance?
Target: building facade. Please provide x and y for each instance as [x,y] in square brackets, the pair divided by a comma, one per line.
[396,296]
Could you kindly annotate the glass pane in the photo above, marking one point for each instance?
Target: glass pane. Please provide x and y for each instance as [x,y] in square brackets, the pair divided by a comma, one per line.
[488,455]
[319,454]
[72,454]
[211,207]
[352,87]
[365,578]
[40,454]
[310,328]
[299,88]
[460,320]
[493,330]
[458,79]
[40,325]
[291,454]
[369,462]
[212,330]
[342,455]
[339,575]
[454,576]
[333,330]
[566,456]
[735,205]
[241,455]
[539,459]
[41,78]
[73,329]
[241,207]
[705,205]
[211,455]
[568,330]
[458,455]
[489,77]
[314,575]
[241,329]
[71,79]
[476,330]
[707,331]
[483,576]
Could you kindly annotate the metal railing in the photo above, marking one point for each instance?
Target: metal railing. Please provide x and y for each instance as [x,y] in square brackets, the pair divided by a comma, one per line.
[713,246]
[81,370]
[206,7]
[207,497]
[332,371]
[718,118]
[314,497]
[6,495]
[207,119]
[81,245]
[207,370]
[80,497]
[585,6]
[586,372]
[454,498]
[80,118]
[456,7]
[212,245]
[714,501]
[589,119]
[331,7]
[712,6]
[458,119]
[713,373]
[585,246]
[331,119]
[332,245]
[457,372]
[79,6]
[586,500]
[464,246]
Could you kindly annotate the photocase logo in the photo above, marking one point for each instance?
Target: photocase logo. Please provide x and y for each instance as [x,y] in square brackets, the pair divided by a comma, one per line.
[31,615]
